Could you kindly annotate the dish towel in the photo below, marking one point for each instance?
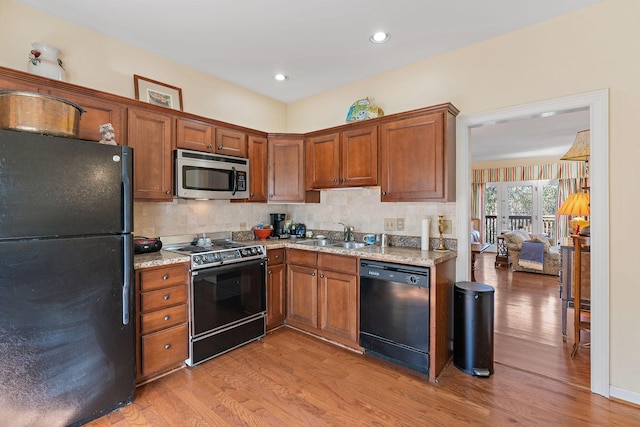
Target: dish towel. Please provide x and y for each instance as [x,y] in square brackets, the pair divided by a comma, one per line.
[532,255]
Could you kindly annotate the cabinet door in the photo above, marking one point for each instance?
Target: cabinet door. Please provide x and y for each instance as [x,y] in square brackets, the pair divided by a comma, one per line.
[257,147]
[194,135]
[338,306]
[150,136]
[231,142]
[97,112]
[322,161]
[302,296]
[359,157]
[275,295]
[286,170]
[412,159]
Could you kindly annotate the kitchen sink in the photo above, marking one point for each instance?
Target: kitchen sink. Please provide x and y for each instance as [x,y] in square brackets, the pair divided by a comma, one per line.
[334,243]
[317,242]
[349,245]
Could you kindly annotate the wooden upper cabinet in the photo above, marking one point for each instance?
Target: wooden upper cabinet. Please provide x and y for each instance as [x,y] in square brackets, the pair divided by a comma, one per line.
[231,142]
[97,112]
[194,135]
[257,150]
[7,83]
[150,136]
[322,161]
[359,156]
[417,158]
[345,159]
[285,155]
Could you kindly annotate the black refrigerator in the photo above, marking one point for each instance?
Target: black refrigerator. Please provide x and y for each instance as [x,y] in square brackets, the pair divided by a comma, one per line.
[67,337]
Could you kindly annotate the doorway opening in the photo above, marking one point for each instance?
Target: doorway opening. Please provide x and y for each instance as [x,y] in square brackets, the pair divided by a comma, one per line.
[598,104]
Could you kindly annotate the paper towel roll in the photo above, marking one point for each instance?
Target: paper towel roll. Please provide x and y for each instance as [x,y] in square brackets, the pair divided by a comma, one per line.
[425,235]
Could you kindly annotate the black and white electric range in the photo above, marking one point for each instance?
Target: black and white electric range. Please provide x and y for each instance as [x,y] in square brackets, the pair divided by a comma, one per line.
[227,293]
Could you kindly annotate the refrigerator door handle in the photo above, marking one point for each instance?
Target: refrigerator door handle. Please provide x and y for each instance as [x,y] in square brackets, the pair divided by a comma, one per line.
[127,198]
[127,277]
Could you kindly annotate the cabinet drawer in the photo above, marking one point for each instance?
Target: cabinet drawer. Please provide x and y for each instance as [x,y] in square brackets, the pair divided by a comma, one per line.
[300,257]
[164,349]
[155,278]
[167,297]
[162,319]
[340,263]
[275,256]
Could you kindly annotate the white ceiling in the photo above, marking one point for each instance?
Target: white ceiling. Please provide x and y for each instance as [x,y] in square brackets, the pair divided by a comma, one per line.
[549,136]
[320,45]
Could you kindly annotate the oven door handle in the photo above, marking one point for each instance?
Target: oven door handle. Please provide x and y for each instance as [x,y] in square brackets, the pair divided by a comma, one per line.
[194,273]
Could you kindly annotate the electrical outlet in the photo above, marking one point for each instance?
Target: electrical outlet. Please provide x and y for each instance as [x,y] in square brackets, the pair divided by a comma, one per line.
[447,226]
[243,226]
[400,224]
[389,224]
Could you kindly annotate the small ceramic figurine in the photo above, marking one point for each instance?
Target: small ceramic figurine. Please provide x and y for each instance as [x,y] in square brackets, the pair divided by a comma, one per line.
[108,134]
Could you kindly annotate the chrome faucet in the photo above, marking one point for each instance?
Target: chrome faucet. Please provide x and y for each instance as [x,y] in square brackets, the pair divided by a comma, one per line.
[348,232]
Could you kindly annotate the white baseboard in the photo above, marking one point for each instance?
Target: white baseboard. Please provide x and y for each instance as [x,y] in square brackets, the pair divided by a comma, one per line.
[626,395]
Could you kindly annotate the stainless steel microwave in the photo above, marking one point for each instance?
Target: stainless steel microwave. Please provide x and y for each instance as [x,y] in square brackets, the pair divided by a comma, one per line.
[210,176]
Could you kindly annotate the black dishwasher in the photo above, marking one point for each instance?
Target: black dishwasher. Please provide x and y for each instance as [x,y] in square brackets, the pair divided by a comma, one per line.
[394,313]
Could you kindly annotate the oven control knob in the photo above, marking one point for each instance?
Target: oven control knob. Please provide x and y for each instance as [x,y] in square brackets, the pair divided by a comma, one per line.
[413,279]
[197,259]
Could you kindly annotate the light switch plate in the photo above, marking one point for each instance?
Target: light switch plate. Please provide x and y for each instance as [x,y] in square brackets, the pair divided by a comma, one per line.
[400,224]
[389,224]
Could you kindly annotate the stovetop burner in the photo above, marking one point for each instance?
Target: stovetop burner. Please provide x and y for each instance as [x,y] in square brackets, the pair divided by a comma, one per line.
[215,246]
[221,251]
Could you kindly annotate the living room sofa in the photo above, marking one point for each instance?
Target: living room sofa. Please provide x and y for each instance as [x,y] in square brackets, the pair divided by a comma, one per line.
[551,262]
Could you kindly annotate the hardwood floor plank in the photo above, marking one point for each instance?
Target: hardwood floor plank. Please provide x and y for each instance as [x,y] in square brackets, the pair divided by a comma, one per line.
[291,379]
[528,327]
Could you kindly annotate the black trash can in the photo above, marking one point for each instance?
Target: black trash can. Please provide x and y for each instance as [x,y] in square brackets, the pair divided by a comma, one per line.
[473,328]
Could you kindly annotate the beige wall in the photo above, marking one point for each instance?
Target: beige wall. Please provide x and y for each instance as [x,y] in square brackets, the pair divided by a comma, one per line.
[590,49]
[593,48]
[107,64]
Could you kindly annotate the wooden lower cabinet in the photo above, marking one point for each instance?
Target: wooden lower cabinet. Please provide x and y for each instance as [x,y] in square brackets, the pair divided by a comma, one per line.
[162,319]
[322,295]
[275,288]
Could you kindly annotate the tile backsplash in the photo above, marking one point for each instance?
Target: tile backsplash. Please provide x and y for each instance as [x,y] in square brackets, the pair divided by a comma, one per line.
[359,207]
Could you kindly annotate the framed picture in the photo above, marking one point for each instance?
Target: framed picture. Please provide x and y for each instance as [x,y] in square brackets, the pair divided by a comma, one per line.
[157,93]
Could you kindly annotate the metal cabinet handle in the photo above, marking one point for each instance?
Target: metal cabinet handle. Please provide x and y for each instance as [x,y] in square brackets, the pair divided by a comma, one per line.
[167,346]
[165,277]
[166,297]
[168,192]
[384,193]
[269,272]
[210,145]
[277,256]
[251,194]
[313,274]
[335,179]
[166,318]
[220,147]
[322,276]
[343,179]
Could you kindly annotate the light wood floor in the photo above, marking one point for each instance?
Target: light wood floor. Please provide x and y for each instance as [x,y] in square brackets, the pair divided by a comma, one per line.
[291,379]
[527,324]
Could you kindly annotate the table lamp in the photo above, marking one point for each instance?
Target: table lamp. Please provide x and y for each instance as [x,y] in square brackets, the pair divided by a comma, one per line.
[576,205]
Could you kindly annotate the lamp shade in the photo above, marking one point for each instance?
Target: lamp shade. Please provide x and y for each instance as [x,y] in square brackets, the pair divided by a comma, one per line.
[577,204]
[580,150]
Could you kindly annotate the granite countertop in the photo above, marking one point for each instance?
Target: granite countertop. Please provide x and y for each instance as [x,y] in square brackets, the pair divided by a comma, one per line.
[387,254]
[155,259]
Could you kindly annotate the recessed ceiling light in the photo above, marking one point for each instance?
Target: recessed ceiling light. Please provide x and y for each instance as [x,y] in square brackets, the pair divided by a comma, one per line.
[280,77]
[379,37]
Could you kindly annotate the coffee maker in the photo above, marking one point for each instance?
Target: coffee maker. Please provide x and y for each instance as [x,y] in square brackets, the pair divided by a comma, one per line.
[277,221]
